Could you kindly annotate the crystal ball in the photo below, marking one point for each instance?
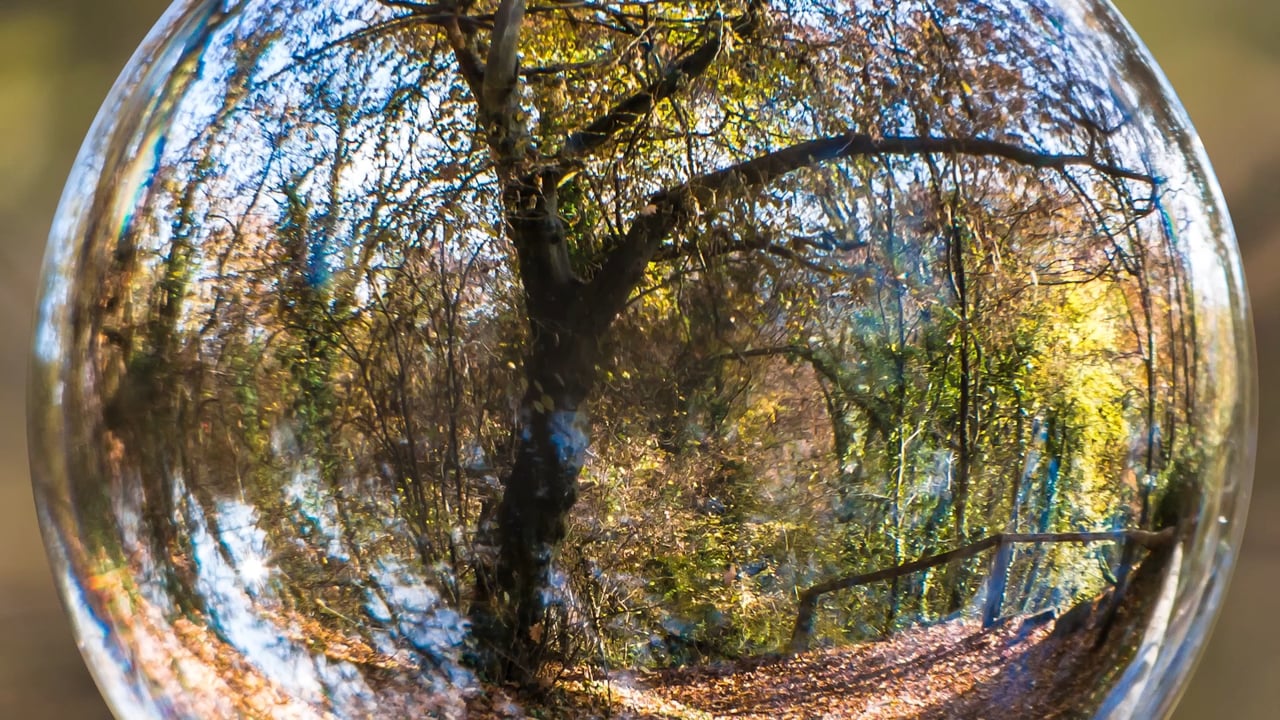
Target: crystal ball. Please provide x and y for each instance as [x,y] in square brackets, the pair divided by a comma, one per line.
[748,358]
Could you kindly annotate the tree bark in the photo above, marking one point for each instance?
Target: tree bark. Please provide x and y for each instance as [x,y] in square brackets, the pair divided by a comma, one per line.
[530,522]
[550,438]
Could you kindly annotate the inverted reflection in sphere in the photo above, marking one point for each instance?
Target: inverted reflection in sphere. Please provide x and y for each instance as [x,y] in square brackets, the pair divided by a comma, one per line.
[662,360]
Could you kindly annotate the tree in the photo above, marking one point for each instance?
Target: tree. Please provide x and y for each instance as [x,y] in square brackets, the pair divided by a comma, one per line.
[680,220]
[568,316]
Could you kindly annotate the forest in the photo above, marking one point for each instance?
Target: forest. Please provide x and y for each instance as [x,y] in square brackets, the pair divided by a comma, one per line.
[425,349]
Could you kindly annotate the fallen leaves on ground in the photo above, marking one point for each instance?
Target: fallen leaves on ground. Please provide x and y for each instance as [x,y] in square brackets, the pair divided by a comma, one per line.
[907,677]
[954,670]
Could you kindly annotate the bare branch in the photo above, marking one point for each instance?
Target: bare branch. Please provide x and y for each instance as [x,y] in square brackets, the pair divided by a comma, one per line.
[415,6]
[789,248]
[468,63]
[668,210]
[457,28]
[762,170]
[437,13]
[826,367]
[635,107]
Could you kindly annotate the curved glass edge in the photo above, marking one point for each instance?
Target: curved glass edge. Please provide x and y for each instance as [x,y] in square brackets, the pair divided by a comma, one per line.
[1215,545]
[1159,680]
[108,137]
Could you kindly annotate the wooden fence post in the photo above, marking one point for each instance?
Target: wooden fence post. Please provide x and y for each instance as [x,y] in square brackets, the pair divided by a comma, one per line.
[997,582]
[804,623]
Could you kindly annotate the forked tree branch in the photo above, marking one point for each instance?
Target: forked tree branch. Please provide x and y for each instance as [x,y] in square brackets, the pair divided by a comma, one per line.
[725,244]
[676,75]
[447,16]
[668,210]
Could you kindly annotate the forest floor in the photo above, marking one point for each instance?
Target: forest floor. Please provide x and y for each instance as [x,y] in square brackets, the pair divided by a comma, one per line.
[1025,667]
[953,670]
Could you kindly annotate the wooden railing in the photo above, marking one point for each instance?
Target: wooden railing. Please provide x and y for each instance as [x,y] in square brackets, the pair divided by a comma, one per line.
[1003,544]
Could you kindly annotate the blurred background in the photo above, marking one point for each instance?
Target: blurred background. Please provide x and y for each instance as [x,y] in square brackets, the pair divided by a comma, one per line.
[59,57]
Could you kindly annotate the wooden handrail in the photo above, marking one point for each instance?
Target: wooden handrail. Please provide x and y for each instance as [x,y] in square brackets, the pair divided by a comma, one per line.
[800,636]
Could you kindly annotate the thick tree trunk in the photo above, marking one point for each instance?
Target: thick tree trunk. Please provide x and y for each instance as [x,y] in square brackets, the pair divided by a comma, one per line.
[550,437]
[530,521]
[550,441]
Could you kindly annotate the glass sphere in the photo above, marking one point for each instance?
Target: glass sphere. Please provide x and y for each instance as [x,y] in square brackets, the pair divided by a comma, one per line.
[650,359]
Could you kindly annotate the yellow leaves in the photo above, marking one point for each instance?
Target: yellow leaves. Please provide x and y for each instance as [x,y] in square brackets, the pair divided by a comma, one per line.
[567,177]
[762,415]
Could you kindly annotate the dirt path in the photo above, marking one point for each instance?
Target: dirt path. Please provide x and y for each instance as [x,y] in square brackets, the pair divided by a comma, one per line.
[918,673]
[950,671]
